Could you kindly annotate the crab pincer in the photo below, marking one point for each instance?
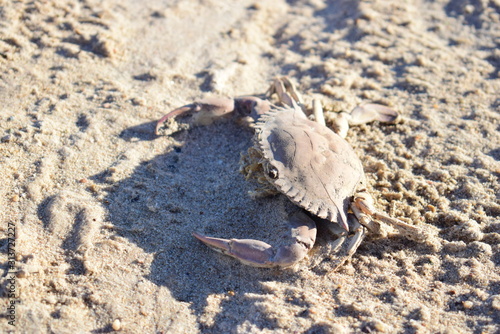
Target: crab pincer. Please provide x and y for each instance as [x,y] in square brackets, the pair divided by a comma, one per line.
[363,114]
[204,112]
[300,239]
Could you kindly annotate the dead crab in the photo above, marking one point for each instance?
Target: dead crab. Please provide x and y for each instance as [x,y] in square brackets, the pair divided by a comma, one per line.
[313,166]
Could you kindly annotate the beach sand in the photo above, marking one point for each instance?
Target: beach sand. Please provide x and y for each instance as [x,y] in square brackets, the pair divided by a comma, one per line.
[103,209]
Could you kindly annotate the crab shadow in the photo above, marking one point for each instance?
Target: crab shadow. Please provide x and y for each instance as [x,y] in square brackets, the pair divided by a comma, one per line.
[196,186]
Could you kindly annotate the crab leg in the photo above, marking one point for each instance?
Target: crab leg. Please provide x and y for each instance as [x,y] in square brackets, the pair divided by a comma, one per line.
[319,117]
[363,208]
[286,91]
[260,254]
[343,247]
[352,245]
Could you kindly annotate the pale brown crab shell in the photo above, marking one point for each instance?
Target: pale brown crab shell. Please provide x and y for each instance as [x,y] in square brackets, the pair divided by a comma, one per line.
[309,163]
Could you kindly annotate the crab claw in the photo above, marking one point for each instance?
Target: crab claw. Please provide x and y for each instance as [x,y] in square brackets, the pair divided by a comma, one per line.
[362,114]
[204,112]
[370,112]
[260,254]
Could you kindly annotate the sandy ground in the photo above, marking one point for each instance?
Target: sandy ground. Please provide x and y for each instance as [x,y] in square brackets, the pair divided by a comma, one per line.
[103,209]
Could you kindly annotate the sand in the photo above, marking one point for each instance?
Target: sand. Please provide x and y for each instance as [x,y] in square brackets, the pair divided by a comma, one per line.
[103,210]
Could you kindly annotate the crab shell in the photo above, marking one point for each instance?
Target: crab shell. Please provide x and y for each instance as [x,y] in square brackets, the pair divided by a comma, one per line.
[309,163]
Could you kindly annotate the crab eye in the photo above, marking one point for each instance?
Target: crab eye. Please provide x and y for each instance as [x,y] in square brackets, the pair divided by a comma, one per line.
[272,173]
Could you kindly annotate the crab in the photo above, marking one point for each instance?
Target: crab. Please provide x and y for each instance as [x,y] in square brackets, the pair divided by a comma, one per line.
[310,164]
